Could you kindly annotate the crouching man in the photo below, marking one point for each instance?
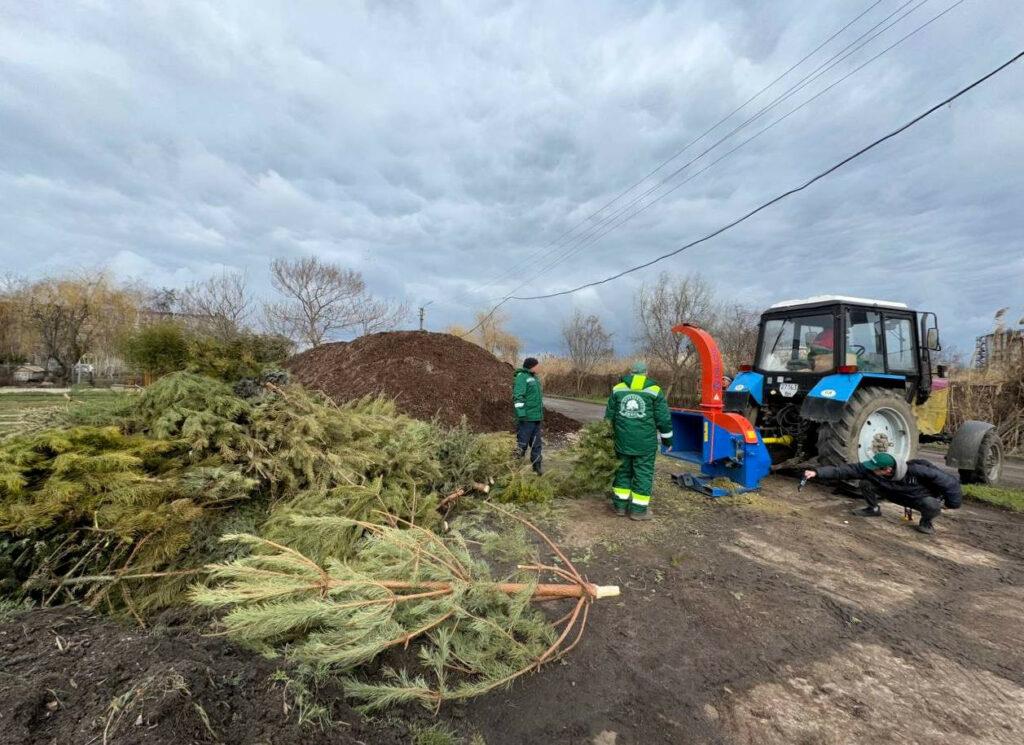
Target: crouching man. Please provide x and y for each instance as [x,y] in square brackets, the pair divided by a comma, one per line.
[914,484]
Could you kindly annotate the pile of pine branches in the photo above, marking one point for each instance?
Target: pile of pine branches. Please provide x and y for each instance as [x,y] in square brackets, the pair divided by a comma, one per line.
[143,492]
[336,518]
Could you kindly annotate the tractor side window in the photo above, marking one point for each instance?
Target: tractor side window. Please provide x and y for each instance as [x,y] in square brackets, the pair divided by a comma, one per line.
[899,345]
[864,340]
[803,343]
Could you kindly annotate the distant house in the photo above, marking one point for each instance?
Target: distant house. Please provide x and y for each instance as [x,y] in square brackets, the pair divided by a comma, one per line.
[29,374]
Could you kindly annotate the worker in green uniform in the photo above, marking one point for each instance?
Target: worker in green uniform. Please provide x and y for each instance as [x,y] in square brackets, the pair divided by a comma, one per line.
[528,401]
[639,415]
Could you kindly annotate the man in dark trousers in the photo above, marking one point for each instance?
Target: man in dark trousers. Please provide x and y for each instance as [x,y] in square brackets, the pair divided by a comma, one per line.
[915,484]
[528,401]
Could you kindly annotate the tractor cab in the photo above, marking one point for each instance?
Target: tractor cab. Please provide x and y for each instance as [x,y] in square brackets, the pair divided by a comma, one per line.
[838,379]
[802,342]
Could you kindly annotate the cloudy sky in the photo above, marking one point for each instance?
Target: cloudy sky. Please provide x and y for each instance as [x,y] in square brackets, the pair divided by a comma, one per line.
[445,149]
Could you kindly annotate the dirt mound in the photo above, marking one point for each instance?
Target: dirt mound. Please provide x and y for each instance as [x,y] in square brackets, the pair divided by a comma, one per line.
[74,677]
[427,374]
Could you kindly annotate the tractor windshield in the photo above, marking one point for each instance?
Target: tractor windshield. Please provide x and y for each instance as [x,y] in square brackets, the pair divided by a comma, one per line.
[798,343]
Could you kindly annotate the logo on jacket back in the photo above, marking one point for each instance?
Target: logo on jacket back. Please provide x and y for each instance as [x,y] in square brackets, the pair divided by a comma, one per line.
[632,406]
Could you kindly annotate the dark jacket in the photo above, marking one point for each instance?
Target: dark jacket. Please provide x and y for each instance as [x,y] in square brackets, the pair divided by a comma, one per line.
[527,397]
[921,480]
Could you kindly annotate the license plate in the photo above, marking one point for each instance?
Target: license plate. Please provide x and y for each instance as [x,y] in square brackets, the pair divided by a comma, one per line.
[788,389]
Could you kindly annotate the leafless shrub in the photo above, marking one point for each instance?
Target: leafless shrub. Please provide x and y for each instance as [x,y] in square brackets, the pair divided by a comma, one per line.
[995,395]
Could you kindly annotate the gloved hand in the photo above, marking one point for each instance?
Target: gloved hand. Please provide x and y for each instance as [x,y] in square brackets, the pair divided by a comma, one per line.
[665,449]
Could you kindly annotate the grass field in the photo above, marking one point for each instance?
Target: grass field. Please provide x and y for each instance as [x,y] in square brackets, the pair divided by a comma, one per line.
[15,407]
[1011,499]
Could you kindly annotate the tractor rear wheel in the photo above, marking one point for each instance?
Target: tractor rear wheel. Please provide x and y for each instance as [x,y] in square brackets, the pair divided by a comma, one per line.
[990,462]
[874,420]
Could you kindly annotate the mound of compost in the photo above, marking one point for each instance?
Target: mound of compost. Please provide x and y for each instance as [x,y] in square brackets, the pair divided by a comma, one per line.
[427,374]
[72,677]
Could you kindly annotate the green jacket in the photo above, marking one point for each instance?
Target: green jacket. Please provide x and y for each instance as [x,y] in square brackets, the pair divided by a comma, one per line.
[527,397]
[638,411]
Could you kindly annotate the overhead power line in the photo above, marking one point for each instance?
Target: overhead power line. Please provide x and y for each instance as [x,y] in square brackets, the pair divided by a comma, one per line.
[534,255]
[802,83]
[618,219]
[775,200]
[638,205]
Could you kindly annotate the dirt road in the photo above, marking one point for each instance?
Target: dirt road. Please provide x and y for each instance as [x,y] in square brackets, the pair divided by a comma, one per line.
[778,618]
[1013,468]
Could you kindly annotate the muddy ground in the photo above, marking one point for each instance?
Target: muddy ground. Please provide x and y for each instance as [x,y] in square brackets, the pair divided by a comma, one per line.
[781,618]
[68,676]
[773,618]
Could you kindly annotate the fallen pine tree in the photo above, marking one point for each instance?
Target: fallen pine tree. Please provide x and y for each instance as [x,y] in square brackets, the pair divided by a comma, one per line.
[405,585]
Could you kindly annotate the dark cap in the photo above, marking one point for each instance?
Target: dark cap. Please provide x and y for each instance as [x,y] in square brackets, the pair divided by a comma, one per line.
[529,363]
[880,461]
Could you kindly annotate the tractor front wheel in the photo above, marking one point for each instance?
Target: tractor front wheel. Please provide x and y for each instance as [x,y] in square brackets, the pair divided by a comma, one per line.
[874,420]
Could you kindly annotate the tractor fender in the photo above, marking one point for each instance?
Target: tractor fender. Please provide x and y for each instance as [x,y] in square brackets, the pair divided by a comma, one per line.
[827,399]
[965,446]
[745,388]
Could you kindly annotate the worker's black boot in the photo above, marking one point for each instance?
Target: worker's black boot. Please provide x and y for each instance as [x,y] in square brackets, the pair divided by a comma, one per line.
[925,526]
[640,516]
[619,509]
[875,511]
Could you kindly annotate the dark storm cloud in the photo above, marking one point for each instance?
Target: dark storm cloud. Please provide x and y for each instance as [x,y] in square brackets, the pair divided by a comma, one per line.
[434,147]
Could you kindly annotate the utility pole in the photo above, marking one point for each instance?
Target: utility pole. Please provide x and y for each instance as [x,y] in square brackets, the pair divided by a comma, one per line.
[423,315]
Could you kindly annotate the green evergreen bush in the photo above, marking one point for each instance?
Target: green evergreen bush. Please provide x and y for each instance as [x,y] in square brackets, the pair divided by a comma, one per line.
[593,461]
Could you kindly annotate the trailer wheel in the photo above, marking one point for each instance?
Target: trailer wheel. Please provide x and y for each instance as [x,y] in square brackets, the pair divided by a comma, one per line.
[989,464]
[871,416]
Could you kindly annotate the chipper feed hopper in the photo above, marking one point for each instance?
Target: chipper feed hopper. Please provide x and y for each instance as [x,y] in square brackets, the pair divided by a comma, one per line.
[722,443]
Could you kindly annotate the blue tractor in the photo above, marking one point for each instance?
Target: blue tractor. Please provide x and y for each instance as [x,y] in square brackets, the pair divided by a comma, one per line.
[838,379]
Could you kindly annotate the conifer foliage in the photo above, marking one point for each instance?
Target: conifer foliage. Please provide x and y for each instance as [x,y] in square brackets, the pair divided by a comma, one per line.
[593,461]
[405,585]
[334,514]
[115,502]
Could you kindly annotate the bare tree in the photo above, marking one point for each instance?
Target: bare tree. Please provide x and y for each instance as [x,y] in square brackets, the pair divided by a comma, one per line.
[13,337]
[489,332]
[74,316]
[321,299]
[587,343]
[220,305]
[163,300]
[667,303]
[374,316]
[492,335]
[735,330]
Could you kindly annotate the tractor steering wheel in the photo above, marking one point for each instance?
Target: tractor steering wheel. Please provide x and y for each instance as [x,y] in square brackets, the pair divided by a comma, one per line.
[858,350]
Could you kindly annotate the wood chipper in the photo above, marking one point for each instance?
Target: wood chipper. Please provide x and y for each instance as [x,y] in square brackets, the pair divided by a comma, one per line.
[724,444]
